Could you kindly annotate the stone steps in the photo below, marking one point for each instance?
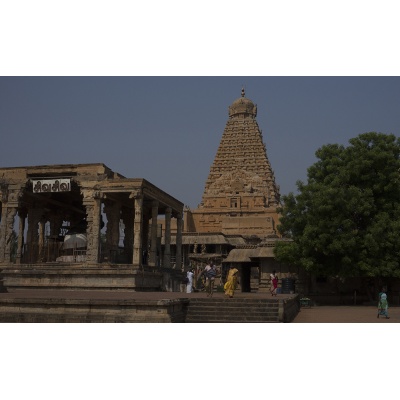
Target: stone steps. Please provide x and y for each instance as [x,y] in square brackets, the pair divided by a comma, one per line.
[232,310]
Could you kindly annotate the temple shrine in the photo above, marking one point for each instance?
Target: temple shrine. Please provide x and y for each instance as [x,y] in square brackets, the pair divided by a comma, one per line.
[85,215]
[238,214]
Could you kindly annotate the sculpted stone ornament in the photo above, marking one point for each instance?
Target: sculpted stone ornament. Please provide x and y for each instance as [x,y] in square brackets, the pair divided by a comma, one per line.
[137,194]
[4,195]
[97,195]
[240,190]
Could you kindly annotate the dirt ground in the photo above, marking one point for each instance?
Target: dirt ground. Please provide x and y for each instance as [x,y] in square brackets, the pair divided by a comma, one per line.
[338,314]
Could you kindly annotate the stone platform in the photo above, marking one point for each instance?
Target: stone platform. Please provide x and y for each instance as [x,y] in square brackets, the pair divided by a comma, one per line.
[55,306]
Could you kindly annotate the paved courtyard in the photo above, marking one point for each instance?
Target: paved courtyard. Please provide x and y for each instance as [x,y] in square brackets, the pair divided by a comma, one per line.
[340,314]
[315,314]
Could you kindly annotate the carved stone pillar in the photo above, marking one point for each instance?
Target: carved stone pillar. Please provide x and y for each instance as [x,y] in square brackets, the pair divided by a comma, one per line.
[112,211]
[145,236]
[167,245]
[153,241]
[7,224]
[32,234]
[21,229]
[179,241]
[127,218]
[42,224]
[92,202]
[56,220]
[137,230]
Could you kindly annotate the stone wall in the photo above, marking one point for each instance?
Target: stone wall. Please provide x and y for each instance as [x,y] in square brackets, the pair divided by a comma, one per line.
[92,310]
[96,277]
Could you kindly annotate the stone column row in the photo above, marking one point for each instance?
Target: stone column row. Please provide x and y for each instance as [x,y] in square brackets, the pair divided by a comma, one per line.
[92,201]
[140,229]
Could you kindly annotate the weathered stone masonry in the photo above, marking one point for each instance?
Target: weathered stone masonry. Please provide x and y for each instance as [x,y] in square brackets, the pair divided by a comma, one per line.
[43,205]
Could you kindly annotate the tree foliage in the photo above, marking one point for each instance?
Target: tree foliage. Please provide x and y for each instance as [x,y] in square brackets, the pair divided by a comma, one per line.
[346,220]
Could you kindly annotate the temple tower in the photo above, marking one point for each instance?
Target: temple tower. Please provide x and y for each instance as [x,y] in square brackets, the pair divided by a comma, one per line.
[240,195]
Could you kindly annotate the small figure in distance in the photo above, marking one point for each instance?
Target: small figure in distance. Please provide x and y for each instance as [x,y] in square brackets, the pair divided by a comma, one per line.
[189,284]
[274,283]
[210,272]
[383,306]
[231,281]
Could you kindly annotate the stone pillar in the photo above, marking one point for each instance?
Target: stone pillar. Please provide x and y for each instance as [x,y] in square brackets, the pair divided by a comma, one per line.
[137,230]
[112,211]
[32,234]
[127,218]
[56,220]
[153,242]
[179,241]
[11,213]
[6,231]
[92,202]
[42,224]
[145,237]
[167,244]
[21,230]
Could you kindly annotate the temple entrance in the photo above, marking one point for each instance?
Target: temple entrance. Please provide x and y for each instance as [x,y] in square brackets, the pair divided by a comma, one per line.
[248,271]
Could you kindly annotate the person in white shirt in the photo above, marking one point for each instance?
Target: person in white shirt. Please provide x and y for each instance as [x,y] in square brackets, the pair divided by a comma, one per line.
[189,285]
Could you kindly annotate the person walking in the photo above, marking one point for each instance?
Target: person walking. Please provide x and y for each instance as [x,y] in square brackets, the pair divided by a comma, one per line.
[274,283]
[231,281]
[210,273]
[189,284]
[383,306]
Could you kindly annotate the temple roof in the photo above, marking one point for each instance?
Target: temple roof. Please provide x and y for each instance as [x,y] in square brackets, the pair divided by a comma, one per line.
[242,105]
[241,166]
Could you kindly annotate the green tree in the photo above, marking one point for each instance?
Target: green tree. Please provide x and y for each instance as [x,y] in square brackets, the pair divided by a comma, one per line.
[346,220]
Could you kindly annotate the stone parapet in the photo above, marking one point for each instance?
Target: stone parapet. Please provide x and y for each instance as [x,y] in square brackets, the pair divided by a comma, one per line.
[55,310]
[106,306]
[78,277]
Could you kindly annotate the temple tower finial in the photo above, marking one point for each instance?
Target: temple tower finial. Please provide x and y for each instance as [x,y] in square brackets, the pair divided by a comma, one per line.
[243,91]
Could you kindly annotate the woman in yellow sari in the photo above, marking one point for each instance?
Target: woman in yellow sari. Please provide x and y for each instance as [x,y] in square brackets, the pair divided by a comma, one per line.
[231,281]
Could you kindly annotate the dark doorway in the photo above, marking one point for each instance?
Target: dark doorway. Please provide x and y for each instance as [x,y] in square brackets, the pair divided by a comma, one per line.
[245,278]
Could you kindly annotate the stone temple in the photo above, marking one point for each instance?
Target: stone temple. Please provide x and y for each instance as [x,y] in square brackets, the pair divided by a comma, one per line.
[237,217]
[240,195]
[86,226]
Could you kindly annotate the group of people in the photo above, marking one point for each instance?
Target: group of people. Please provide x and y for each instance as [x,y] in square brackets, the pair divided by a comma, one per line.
[210,272]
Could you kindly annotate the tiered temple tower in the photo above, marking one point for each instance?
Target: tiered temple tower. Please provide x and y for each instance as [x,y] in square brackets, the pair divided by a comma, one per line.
[240,195]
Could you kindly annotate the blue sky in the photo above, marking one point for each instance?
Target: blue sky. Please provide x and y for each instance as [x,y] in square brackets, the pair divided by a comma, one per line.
[167,129]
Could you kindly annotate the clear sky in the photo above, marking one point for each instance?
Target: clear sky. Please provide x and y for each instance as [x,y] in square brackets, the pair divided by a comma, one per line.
[167,129]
